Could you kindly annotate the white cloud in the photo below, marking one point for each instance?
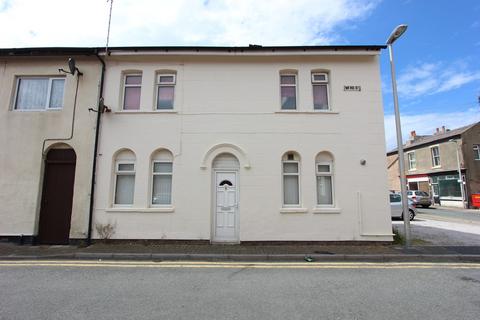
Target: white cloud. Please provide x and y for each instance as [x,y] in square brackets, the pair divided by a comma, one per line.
[425,124]
[432,78]
[179,22]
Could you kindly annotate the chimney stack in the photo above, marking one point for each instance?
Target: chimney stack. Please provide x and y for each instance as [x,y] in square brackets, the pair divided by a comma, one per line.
[443,129]
[413,135]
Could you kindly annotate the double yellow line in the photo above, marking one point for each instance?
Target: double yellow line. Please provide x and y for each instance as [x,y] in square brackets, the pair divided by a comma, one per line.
[235,265]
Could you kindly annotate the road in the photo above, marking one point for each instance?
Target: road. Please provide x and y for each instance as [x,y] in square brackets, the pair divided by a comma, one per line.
[456,214]
[442,226]
[149,290]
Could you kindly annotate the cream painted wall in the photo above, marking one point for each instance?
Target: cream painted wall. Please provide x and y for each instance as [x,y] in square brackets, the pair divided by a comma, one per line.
[236,100]
[22,134]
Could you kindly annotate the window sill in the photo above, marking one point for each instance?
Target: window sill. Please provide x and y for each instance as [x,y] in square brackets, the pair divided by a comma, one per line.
[308,112]
[144,112]
[326,210]
[293,210]
[38,110]
[142,210]
[436,167]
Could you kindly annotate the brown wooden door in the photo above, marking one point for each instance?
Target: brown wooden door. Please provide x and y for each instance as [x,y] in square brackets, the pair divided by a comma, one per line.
[57,196]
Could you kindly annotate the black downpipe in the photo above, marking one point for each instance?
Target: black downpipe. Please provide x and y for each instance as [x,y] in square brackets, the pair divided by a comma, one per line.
[100,109]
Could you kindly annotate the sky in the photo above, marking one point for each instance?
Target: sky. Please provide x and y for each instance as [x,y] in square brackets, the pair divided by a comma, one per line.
[438,72]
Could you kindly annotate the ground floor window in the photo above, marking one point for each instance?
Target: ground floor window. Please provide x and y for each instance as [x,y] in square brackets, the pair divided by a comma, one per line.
[291,179]
[162,183]
[324,175]
[162,174]
[125,183]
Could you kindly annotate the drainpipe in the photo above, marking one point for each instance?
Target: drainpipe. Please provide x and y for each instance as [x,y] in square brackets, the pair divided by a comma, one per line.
[100,110]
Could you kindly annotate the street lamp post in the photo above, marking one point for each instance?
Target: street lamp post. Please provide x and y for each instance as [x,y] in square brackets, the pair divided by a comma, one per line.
[460,179]
[397,33]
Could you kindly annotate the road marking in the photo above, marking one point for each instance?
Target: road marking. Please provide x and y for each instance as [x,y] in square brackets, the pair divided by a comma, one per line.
[237,265]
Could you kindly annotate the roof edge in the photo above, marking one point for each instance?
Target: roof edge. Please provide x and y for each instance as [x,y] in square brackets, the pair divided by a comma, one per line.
[58,51]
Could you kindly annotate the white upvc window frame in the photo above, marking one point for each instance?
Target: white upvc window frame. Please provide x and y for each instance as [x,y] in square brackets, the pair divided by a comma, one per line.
[325,174]
[165,84]
[412,160]
[476,152]
[284,205]
[45,107]
[152,182]
[125,86]
[326,83]
[289,74]
[123,172]
[437,156]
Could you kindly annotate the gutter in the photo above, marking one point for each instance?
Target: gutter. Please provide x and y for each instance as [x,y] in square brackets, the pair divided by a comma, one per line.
[95,150]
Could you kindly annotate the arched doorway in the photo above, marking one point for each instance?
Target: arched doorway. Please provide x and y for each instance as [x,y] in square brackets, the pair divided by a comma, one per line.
[226,214]
[57,196]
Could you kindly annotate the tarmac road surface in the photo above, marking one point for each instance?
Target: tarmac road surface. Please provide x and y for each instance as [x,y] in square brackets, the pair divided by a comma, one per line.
[233,290]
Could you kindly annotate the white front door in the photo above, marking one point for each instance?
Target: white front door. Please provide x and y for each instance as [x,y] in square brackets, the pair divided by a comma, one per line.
[226,209]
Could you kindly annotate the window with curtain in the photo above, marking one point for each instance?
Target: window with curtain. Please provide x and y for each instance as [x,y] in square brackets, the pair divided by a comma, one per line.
[124,182]
[39,93]
[412,161]
[435,156]
[132,91]
[162,183]
[324,176]
[476,151]
[162,174]
[165,91]
[288,91]
[320,91]
[291,179]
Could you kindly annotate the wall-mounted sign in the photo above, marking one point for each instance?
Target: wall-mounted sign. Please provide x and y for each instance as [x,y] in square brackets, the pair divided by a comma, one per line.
[352,88]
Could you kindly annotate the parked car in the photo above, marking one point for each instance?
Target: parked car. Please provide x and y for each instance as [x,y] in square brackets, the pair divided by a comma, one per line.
[396,207]
[419,198]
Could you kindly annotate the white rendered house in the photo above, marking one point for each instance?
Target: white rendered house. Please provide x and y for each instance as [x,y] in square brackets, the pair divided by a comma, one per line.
[235,144]
[46,136]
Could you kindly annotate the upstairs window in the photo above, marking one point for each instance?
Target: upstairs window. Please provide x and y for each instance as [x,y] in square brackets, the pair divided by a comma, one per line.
[132,91]
[476,151]
[39,93]
[320,91]
[288,91]
[412,161]
[165,91]
[435,156]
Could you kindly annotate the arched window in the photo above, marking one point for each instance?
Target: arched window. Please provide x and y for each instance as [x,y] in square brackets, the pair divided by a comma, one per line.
[124,178]
[324,174]
[162,172]
[291,179]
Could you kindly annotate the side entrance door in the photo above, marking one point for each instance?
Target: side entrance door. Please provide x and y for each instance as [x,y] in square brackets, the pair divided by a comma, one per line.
[57,196]
[226,209]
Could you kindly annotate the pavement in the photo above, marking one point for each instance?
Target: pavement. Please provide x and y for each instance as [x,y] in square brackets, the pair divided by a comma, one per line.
[215,252]
[444,227]
[107,290]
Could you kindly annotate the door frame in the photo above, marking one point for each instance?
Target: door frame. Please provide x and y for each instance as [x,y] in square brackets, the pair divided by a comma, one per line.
[213,189]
